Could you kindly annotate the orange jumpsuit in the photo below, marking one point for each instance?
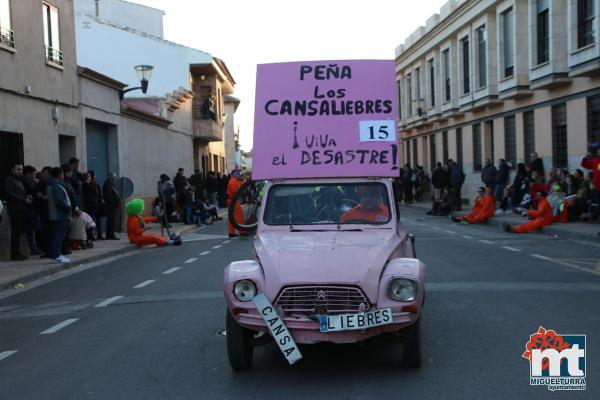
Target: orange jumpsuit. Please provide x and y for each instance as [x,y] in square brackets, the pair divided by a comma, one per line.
[135,231]
[484,209]
[380,214]
[232,187]
[542,217]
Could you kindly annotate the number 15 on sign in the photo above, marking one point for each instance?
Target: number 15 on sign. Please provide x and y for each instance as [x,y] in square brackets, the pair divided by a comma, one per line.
[377,131]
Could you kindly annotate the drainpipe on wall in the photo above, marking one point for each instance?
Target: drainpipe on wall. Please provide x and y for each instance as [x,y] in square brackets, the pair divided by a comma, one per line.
[97,8]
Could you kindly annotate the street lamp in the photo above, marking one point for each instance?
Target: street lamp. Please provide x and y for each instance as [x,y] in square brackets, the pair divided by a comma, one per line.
[143,73]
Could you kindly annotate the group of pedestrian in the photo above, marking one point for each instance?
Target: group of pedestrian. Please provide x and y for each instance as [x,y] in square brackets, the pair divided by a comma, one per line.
[413,184]
[58,209]
[193,200]
[560,196]
[447,181]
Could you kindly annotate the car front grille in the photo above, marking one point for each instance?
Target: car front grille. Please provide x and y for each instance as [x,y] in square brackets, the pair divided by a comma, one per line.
[322,300]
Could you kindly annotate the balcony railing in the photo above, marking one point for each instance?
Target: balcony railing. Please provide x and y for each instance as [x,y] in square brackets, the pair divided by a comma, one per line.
[204,108]
[54,56]
[7,37]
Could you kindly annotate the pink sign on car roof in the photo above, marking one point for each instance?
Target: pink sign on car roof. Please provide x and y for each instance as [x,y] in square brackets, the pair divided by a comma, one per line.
[325,119]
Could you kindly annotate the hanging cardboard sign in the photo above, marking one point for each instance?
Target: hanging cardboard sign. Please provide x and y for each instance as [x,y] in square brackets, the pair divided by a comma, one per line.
[325,119]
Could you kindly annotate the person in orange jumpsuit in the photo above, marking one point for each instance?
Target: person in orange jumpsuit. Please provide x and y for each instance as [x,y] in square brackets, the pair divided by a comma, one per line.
[541,217]
[136,227]
[370,208]
[484,208]
[232,187]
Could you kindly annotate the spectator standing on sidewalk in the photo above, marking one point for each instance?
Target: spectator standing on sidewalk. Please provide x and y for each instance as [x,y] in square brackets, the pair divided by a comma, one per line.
[407,183]
[520,185]
[439,180]
[501,179]
[111,200]
[536,165]
[17,203]
[59,212]
[457,179]
[199,183]
[488,174]
[40,201]
[212,187]
[90,195]
[222,190]
[166,191]
[32,219]
[181,183]
[75,180]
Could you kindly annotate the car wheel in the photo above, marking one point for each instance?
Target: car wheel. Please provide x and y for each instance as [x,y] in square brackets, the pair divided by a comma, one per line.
[411,343]
[239,347]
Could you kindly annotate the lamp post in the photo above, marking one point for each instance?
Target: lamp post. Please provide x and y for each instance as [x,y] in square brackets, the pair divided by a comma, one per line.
[144,74]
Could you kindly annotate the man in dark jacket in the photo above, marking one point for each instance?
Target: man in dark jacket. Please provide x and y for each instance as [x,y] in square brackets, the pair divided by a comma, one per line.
[32,219]
[439,180]
[41,206]
[406,176]
[488,174]
[17,203]
[537,166]
[501,180]
[111,201]
[212,187]
[181,183]
[457,178]
[59,212]
[75,180]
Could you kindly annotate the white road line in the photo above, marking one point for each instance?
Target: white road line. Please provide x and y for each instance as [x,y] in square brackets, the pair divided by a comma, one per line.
[511,248]
[227,241]
[450,232]
[144,284]
[5,354]
[189,261]
[170,271]
[467,236]
[58,327]
[485,241]
[107,301]
[217,246]
[204,253]
[541,257]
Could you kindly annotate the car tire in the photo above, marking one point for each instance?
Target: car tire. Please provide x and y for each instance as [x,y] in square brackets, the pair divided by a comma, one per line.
[411,343]
[239,345]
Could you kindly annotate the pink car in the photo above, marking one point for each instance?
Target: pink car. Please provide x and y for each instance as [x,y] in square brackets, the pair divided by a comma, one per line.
[332,263]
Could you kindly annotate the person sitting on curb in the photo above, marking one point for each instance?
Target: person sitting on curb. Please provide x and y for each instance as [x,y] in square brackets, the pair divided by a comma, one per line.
[484,208]
[136,228]
[541,217]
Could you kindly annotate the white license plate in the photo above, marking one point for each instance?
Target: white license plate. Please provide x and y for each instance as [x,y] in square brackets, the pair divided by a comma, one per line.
[277,327]
[351,322]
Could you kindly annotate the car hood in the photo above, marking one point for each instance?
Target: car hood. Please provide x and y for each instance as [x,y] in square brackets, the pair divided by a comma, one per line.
[325,258]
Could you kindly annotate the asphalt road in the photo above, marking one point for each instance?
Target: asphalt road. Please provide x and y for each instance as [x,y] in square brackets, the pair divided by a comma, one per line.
[149,325]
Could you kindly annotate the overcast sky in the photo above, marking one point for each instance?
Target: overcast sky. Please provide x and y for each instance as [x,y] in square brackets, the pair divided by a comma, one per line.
[244,33]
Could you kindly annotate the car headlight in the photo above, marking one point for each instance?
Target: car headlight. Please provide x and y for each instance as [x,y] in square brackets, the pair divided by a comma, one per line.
[244,290]
[402,289]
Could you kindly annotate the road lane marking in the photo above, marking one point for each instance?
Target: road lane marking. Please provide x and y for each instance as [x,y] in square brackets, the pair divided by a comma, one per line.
[170,271]
[227,241]
[144,284]
[217,246]
[5,354]
[189,261]
[204,253]
[450,232]
[58,327]
[107,301]
[541,257]
[511,248]
[485,241]
[467,236]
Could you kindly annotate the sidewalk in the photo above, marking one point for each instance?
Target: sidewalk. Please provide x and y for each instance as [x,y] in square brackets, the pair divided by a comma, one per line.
[570,230]
[16,274]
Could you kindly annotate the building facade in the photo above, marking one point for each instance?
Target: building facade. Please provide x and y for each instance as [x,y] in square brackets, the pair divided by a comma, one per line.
[112,44]
[501,79]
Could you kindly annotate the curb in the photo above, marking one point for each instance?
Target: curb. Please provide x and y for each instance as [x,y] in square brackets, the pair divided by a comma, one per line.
[548,230]
[32,277]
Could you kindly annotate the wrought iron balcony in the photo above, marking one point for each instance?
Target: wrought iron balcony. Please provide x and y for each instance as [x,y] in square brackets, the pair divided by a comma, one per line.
[7,37]
[54,56]
[204,109]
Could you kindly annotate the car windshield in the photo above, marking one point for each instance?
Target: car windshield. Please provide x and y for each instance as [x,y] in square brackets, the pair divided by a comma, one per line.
[316,204]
